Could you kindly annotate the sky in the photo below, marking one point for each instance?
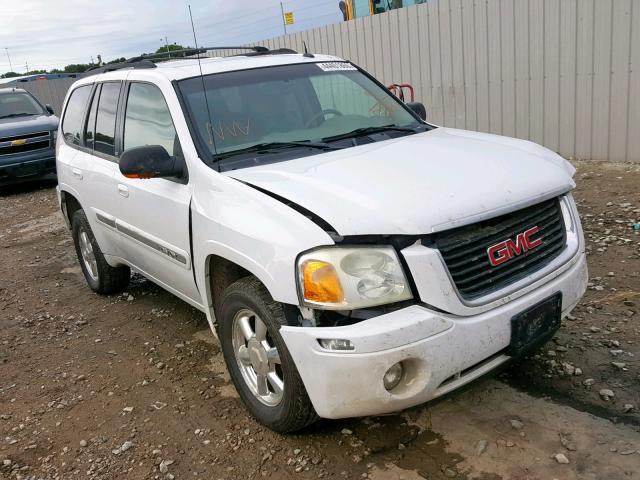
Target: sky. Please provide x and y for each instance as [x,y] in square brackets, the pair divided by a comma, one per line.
[53,33]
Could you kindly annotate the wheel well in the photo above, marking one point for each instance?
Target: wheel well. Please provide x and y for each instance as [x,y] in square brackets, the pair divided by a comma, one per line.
[70,205]
[222,273]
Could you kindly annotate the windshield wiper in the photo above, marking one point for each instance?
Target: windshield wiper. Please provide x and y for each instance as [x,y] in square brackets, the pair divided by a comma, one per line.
[22,114]
[369,130]
[270,146]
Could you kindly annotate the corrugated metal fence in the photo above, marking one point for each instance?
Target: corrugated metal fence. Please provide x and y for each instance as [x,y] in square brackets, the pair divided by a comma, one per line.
[563,73]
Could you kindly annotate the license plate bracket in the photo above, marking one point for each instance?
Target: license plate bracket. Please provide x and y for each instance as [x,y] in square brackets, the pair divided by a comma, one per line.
[534,326]
[28,169]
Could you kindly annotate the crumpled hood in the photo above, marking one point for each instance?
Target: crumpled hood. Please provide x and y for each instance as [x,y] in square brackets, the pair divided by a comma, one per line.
[417,184]
[13,126]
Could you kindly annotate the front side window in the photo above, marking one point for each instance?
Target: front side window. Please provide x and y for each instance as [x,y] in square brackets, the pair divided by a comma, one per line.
[148,120]
[309,102]
[105,132]
[19,104]
[72,123]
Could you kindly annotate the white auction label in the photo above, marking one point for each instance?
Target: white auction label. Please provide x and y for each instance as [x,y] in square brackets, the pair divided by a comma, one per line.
[336,66]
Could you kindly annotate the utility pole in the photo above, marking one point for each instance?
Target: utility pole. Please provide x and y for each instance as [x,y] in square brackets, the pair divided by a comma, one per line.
[284,23]
[26,64]
[10,66]
[166,43]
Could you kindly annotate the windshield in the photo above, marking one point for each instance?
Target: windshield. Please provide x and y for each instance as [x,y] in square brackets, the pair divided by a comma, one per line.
[19,104]
[293,103]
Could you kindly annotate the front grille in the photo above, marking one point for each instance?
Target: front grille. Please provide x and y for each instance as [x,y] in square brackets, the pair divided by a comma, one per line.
[464,249]
[33,142]
[24,136]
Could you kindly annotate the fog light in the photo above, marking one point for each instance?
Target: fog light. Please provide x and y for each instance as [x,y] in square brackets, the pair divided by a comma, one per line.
[393,376]
[336,344]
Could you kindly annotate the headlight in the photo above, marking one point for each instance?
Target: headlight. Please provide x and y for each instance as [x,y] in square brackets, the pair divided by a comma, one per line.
[54,135]
[350,278]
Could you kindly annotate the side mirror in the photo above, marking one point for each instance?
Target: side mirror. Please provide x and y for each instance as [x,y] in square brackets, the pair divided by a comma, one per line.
[418,108]
[49,109]
[150,161]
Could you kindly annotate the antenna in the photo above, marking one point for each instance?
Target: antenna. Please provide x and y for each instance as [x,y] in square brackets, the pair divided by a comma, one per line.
[212,140]
[306,52]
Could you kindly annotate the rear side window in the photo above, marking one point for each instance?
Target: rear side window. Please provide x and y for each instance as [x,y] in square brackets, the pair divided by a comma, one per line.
[105,132]
[74,115]
[148,121]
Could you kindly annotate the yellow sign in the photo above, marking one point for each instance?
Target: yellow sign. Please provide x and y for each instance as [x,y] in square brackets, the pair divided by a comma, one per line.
[17,143]
[288,18]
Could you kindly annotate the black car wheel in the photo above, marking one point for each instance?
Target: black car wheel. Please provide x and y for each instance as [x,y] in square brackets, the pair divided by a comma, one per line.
[259,363]
[101,277]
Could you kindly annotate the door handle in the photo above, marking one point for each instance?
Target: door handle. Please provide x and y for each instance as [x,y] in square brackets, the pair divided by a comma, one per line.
[76,172]
[123,190]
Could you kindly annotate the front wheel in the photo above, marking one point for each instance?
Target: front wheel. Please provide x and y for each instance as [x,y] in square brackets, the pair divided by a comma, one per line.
[259,363]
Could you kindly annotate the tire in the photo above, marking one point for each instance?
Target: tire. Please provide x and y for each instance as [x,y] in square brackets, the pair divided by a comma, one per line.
[101,277]
[283,412]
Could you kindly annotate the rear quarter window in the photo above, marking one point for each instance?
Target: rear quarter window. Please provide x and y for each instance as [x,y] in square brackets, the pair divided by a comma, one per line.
[73,120]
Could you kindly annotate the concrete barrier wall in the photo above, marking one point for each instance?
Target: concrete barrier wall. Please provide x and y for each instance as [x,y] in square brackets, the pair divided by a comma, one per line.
[563,73]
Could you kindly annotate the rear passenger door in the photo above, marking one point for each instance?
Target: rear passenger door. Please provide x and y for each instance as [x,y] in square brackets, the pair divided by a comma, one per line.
[153,214]
[90,131]
[101,160]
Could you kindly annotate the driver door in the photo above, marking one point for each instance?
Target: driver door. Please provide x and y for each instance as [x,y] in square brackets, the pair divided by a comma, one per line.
[153,214]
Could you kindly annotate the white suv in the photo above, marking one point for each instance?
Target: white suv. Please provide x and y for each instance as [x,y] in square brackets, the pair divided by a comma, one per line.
[351,258]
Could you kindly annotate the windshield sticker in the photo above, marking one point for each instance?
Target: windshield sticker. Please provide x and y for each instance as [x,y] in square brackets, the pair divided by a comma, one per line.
[335,66]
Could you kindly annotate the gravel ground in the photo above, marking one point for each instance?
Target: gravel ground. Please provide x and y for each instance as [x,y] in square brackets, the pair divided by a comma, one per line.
[134,386]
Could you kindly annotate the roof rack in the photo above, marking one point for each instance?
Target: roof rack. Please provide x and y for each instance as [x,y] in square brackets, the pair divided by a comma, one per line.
[278,51]
[118,66]
[149,60]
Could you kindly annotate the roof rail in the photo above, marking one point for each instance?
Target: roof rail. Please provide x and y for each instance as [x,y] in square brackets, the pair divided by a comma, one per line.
[186,52]
[118,66]
[149,60]
[277,51]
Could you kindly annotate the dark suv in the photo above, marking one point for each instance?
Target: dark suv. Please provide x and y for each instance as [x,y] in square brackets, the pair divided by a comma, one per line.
[27,137]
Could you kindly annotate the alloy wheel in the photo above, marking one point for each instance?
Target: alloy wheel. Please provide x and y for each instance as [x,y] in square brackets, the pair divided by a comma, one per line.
[88,255]
[258,358]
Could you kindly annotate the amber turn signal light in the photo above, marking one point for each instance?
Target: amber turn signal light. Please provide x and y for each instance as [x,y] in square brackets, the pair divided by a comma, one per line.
[140,175]
[321,283]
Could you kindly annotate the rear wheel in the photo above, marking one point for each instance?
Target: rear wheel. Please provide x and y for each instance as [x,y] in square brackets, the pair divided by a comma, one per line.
[259,363]
[100,276]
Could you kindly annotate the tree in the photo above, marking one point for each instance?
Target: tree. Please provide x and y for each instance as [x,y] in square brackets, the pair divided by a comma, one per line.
[77,68]
[10,75]
[170,48]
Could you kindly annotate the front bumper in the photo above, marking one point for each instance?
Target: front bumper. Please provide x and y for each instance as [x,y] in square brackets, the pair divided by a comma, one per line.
[18,168]
[441,352]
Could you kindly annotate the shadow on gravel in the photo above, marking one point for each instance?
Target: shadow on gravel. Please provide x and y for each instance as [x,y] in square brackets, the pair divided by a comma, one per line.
[393,442]
[519,376]
[396,441]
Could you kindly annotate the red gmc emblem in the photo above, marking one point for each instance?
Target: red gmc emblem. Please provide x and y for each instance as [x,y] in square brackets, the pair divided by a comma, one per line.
[507,249]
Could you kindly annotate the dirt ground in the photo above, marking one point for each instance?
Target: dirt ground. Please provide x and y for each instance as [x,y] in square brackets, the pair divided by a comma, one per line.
[134,386]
